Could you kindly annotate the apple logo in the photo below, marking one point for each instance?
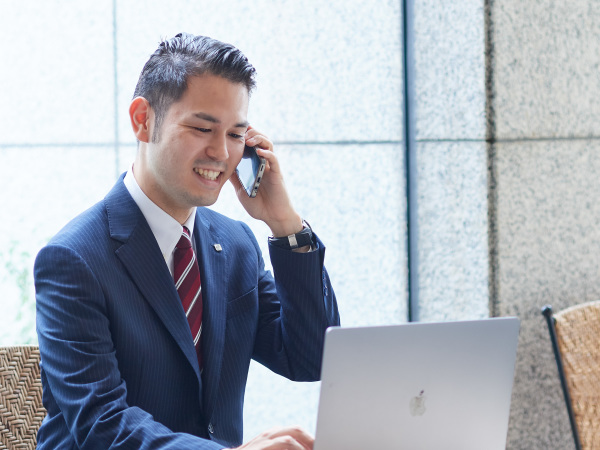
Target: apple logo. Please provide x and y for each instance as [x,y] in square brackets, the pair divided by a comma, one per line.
[417,404]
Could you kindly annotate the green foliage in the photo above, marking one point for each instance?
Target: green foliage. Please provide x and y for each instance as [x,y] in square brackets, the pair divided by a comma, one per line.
[17,263]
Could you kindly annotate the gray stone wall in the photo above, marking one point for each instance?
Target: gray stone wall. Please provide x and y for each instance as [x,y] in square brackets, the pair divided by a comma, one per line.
[548,246]
[507,178]
[545,165]
[451,163]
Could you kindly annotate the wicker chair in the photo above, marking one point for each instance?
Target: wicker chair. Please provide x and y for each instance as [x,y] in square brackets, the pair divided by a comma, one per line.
[21,410]
[575,335]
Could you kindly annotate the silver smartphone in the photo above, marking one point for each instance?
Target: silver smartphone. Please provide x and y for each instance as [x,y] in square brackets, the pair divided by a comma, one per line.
[250,170]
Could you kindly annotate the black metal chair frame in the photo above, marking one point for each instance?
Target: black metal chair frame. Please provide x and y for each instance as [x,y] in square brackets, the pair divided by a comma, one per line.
[547,312]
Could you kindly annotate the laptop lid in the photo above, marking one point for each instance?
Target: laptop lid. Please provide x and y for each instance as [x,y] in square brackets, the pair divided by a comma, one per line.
[417,386]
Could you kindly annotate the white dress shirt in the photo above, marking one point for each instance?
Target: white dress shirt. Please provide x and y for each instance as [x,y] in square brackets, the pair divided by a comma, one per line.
[167,231]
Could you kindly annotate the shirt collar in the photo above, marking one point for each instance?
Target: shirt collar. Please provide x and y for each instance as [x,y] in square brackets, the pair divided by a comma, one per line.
[166,230]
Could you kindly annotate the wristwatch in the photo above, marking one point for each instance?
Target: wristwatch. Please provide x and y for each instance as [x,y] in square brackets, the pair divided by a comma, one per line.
[300,239]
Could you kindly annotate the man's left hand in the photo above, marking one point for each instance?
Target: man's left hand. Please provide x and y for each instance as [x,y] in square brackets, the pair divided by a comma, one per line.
[272,204]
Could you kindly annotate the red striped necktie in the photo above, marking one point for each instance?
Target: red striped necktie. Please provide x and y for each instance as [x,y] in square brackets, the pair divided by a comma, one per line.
[187,283]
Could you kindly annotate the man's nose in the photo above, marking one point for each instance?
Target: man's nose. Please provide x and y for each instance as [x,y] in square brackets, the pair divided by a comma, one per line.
[217,150]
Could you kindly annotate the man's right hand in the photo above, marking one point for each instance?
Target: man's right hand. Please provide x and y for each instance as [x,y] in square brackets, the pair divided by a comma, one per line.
[292,438]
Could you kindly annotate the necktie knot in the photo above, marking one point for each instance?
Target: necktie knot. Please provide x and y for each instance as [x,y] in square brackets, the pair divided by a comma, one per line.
[185,241]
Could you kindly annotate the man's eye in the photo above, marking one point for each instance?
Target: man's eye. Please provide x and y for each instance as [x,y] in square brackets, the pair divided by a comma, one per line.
[236,136]
[203,130]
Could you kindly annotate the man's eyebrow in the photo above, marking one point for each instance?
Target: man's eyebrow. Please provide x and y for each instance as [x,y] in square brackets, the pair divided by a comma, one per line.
[207,117]
[244,124]
[213,119]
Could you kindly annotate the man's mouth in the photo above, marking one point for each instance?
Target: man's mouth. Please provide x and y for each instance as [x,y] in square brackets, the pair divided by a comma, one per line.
[208,174]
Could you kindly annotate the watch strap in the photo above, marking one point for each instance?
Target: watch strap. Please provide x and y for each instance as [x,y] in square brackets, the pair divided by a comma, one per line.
[296,240]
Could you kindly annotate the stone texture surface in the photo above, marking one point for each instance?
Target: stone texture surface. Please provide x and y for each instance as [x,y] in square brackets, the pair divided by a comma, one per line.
[545,68]
[449,70]
[41,189]
[327,71]
[57,72]
[548,252]
[452,214]
[356,204]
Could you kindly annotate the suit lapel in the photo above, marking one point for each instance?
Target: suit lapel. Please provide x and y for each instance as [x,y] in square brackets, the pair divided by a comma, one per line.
[143,259]
[213,273]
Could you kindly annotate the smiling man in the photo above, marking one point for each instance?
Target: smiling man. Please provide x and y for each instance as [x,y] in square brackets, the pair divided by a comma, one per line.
[151,306]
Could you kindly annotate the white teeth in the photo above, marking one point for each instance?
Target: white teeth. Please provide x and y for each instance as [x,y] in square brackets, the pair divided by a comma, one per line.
[208,174]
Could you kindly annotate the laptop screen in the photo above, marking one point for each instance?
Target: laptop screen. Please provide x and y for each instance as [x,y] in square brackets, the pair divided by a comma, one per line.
[419,385]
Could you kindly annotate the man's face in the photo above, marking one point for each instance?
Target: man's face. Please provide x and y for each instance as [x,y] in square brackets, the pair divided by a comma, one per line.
[201,142]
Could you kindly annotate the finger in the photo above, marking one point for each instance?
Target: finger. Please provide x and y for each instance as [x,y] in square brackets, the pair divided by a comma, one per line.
[251,132]
[290,438]
[286,443]
[277,443]
[255,138]
[260,141]
[272,161]
[297,434]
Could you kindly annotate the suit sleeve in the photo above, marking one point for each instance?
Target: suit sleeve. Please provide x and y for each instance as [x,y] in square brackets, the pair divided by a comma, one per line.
[79,363]
[295,310]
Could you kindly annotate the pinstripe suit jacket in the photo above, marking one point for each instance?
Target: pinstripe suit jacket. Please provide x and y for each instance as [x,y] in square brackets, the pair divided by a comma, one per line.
[118,364]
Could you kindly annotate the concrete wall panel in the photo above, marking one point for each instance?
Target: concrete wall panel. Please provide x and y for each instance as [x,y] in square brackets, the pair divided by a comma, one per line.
[327,71]
[548,252]
[452,231]
[449,70]
[56,82]
[545,67]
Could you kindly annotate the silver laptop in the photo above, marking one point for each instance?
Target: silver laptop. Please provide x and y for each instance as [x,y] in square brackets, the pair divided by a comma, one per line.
[418,386]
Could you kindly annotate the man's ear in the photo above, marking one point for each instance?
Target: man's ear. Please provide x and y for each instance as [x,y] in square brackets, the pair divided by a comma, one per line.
[141,114]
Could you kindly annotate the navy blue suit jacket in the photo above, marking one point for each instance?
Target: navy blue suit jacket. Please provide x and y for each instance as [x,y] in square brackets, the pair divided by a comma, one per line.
[119,368]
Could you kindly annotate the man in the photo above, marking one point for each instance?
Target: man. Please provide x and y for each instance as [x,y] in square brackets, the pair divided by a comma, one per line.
[150,306]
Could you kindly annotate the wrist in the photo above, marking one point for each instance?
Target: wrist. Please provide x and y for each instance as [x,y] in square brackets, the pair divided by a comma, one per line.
[287,227]
[301,241]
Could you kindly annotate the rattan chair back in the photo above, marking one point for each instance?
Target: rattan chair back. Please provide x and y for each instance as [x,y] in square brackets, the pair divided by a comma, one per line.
[21,409]
[578,336]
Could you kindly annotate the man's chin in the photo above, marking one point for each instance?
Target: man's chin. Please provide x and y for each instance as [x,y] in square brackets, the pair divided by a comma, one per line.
[205,200]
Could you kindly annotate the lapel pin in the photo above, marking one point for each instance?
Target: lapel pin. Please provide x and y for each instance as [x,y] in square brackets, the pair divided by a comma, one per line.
[218,247]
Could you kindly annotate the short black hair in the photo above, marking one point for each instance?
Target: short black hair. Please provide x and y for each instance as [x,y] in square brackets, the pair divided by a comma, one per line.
[164,77]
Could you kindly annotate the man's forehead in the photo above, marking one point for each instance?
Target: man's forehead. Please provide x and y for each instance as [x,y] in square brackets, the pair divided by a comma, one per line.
[213,99]
[207,80]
